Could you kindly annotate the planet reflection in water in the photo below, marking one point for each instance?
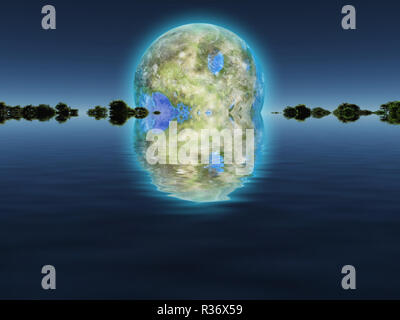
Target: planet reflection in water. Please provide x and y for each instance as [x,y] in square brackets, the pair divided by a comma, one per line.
[204,92]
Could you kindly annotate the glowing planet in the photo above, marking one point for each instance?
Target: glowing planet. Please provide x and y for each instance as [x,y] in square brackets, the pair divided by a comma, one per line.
[199,77]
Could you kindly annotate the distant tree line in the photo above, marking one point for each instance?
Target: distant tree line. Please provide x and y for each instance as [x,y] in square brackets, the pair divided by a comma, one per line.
[346,112]
[42,112]
[119,112]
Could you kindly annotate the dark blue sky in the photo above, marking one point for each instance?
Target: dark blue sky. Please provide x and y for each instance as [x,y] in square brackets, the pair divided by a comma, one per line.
[308,57]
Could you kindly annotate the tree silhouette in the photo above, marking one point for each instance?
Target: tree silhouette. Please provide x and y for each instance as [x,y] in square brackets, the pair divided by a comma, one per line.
[289,112]
[365,112]
[391,112]
[98,112]
[44,112]
[64,112]
[8,112]
[300,112]
[3,112]
[15,112]
[29,112]
[118,106]
[117,119]
[120,112]
[347,112]
[319,113]
[62,109]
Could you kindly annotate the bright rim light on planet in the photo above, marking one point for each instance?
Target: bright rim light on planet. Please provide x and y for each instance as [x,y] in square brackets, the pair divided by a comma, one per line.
[203,77]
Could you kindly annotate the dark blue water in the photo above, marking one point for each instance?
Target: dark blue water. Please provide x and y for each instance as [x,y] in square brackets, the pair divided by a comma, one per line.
[325,194]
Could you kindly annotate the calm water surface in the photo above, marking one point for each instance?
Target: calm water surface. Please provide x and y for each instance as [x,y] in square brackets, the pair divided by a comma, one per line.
[325,194]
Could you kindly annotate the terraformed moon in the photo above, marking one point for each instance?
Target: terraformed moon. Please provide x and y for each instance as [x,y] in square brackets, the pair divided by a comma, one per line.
[199,77]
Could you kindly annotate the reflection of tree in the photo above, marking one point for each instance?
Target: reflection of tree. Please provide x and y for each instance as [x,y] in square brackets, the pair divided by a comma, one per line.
[62,109]
[391,112]
[347,112]
[15,112]
[300,112]
[141,113]
[64,112]
[98,112]
[3,112]
[319,113]
[42,112]
[120,112]
[365,112]
[289,112]
[29,112]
